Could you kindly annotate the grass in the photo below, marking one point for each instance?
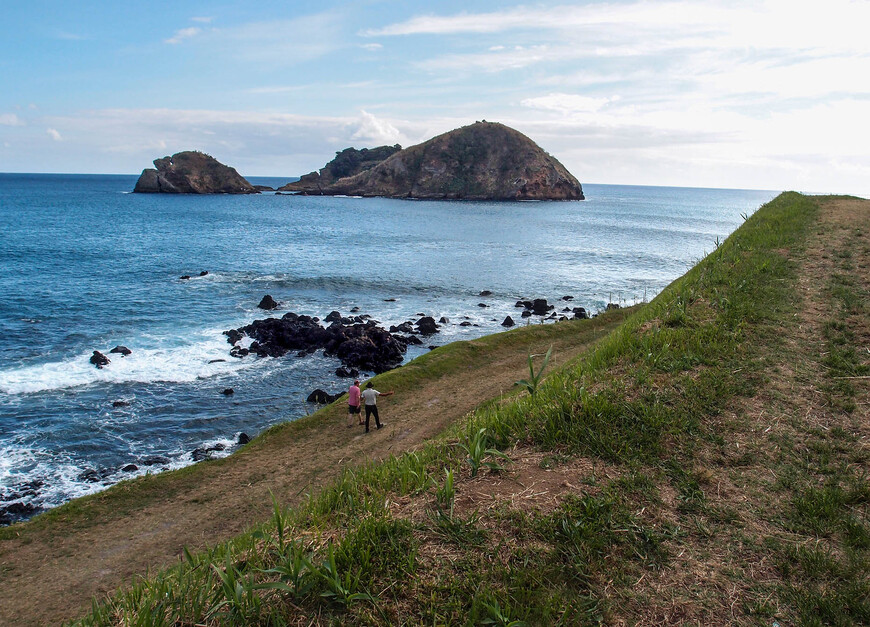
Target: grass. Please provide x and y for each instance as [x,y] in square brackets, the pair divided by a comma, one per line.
[653,409]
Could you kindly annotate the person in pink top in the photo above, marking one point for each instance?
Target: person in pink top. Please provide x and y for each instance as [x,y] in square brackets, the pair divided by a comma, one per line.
[353,396]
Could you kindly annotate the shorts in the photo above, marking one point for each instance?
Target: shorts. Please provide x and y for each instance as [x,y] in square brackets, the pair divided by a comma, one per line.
[353,409]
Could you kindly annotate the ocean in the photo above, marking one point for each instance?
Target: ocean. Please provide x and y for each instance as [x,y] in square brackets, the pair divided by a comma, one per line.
[85,265]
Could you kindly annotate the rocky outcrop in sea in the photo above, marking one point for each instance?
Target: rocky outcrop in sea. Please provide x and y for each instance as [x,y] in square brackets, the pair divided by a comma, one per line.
[356,342]
[192,172]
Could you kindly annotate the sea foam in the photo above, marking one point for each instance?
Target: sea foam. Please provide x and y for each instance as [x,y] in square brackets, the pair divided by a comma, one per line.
[178,364]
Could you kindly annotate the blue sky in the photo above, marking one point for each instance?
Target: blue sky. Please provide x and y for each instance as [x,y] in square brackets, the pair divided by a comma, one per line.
[765,94]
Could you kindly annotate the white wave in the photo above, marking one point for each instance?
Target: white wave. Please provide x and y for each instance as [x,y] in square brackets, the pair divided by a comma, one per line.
[179,364]
[59,479]
[228,444]
[12,458]
[56,476]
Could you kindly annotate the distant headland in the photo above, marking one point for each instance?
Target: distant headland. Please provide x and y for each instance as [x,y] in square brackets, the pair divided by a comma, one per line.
[481,161]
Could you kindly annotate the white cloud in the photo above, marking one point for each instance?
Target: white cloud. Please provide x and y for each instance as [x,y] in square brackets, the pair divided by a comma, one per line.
[54,134]
[498,60]
[758,25]
[372,46]
[67,36]
[735,33]
[270,44]
[183,34]
[568,104]
[255,143]
[10,119]
[377,131]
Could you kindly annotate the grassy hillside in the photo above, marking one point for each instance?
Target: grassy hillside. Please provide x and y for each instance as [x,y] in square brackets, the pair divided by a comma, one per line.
[705,463]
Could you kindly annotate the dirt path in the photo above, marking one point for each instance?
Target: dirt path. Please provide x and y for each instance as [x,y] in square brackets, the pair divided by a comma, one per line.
[722,572]
[51,569]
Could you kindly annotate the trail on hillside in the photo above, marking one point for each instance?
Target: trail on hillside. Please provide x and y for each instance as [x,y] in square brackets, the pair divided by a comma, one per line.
[51,572]
[729,574]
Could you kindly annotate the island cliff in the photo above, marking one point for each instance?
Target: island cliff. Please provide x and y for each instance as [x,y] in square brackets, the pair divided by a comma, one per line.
[347,162]
[482,161]
[192,172]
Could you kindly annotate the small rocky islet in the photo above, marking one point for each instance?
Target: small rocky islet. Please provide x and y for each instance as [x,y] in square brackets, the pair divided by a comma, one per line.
[192,172]
[481,161]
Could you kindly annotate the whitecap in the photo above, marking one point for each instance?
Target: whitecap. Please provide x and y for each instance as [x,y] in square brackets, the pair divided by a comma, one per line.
[205,358]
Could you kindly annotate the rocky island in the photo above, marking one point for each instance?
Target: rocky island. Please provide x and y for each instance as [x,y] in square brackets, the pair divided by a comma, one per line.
[192,172]
[481,161]
[347,162]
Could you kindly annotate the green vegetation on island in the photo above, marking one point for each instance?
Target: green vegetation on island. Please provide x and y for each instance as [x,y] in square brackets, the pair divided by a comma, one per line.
[705,463]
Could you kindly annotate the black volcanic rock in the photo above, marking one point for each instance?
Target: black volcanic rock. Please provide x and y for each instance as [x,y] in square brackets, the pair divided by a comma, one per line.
[123,350]
[192,172]
[482,161]
[426,325]
[267,302]
[540,306]
[321,397]
[364,346]
[99,360]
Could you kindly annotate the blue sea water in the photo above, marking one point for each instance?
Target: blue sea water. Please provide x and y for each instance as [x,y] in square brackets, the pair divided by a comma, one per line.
[85,265]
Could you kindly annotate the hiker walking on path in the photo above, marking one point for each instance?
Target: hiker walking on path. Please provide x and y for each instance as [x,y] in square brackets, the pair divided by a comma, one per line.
[370,396]
[353,395]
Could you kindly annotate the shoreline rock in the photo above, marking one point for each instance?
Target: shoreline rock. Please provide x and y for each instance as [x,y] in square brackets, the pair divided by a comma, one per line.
[358,345]
[99,360]
[268,303]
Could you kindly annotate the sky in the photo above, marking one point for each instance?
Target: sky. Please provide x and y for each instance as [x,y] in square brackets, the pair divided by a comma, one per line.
[767,94]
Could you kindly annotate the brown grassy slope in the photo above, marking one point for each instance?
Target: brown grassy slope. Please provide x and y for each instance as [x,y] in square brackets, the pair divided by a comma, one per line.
[55,564]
